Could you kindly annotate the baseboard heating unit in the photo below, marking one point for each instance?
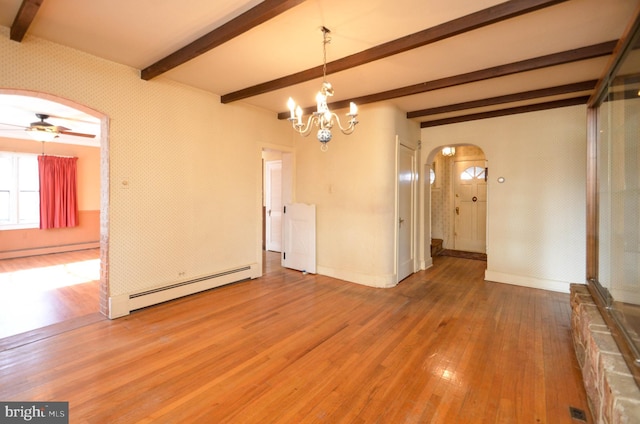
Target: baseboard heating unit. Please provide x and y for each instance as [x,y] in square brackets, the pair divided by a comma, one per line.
[123,305]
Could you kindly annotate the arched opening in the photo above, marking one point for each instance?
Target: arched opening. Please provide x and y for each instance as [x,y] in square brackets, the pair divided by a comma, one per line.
[458,201]
[83,133]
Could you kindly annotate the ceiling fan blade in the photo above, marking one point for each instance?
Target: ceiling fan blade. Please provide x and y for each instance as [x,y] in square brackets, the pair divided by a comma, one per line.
[77,134]
[67,118]
[12,125]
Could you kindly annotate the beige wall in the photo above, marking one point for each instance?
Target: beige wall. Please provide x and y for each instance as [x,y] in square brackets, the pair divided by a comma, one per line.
[25,242]
[536,233]
[353,185]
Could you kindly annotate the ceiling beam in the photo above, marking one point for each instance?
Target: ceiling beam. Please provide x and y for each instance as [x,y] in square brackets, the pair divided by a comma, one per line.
[509,98]
[504,112]
[24,18]
[235,27]
[624,44]
[449,29]
[583,53]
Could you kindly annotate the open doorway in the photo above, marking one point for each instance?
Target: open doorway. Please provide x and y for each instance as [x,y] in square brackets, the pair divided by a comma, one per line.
[459,202]
[51,277]
[277,177]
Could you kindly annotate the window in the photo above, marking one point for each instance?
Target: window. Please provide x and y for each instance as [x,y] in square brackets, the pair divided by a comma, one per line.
[473,173]
[19,191]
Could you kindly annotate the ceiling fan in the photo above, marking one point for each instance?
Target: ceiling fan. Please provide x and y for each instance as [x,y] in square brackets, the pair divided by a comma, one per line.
[44,131]
[45,127]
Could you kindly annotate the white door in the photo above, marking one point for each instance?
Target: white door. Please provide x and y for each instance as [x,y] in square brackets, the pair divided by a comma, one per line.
[273,205]
[299,237]
[406,214]
[470,224]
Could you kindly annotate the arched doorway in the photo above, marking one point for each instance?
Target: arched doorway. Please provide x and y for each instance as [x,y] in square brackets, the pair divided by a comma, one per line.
[458,188]
[84,132]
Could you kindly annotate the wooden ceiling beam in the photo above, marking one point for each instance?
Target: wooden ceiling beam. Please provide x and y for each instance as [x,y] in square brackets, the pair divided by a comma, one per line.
[25,16]
[555,59]
[509,98]
[485,17]
[235,27]
[509,111]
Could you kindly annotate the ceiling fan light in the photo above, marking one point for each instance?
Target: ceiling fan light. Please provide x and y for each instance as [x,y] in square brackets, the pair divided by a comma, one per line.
[40,134]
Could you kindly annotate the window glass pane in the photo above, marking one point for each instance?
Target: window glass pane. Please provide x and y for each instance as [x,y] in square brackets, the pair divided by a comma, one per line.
[19,190]
[6,171]
[28,173]
[5,211]
[473,172]
[29,209]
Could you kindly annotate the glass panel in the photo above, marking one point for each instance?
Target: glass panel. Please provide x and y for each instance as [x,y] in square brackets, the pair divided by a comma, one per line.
[29,207]
[473,172]
[6,170]
[618,169]
[28,173]
[5,211]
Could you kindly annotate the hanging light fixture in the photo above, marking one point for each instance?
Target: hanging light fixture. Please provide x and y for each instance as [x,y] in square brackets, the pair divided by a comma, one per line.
[448,151]
[322,118]
[40,134]
[42,130]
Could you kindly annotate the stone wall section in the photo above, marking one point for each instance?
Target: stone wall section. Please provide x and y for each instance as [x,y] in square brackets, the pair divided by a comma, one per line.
[612,392]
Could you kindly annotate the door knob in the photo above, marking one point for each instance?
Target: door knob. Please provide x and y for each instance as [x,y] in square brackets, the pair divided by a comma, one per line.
[457,210]
[401,221]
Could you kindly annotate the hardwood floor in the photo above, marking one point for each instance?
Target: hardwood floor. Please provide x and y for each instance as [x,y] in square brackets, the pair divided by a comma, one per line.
[40,291]
[442,347]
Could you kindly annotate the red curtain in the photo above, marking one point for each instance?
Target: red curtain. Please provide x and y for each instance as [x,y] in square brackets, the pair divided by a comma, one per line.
[58,197]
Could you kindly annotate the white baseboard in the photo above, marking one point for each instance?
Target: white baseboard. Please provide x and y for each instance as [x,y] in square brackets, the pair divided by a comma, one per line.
[380,281]
[532,282]
[123,304]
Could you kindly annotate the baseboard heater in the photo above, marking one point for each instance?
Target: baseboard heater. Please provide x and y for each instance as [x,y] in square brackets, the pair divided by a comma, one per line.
[182,288]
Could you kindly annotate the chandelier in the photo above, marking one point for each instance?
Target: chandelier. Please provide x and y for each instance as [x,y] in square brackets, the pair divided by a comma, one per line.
[322,118]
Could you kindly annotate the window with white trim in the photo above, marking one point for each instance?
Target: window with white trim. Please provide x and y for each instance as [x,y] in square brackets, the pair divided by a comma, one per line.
[19,191]
[473,173]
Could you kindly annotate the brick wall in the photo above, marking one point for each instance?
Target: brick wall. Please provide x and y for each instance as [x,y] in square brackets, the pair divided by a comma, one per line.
[613,394]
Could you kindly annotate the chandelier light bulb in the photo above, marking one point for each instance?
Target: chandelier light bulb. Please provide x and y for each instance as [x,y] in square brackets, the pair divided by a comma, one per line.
[292,106]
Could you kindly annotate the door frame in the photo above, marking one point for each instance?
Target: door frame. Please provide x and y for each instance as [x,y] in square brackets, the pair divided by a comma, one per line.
[288,187]
[414,209]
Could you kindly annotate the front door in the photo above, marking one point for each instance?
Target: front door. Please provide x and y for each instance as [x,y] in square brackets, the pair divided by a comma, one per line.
[470,206]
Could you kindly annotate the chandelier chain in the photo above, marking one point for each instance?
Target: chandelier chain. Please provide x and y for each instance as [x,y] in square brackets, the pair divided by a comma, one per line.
[325,40]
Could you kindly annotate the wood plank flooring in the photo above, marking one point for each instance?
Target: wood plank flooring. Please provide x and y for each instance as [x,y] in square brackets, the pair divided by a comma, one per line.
[442,347]
[40,291]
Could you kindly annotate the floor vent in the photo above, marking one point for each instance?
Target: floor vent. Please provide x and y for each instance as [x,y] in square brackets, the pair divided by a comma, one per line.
[577,414]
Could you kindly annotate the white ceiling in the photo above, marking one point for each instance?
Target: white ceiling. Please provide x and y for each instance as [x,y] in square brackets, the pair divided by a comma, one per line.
[141,32]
